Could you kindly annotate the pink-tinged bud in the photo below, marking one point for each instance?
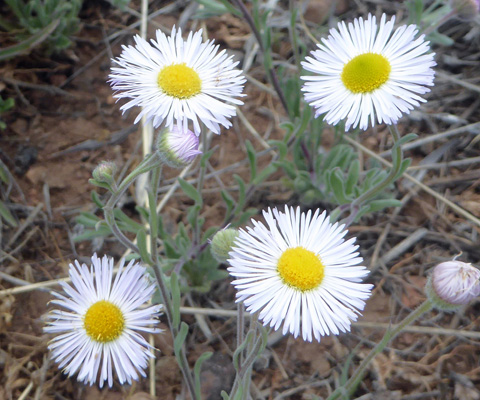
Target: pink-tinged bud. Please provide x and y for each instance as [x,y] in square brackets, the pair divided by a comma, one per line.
[105,172]
[177,148]
[466,9]
[452,284]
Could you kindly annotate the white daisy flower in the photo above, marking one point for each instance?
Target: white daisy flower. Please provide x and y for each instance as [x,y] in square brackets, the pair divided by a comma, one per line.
[299,271]
[176,80]
[99,332]
[363,74]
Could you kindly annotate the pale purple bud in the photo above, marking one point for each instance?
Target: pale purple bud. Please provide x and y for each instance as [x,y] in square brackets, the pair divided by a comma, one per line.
[177,148]
[454,283]
[466,9]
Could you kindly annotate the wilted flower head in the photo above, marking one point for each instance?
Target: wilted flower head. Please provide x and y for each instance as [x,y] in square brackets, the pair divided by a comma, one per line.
[97,332]
[177,148]
[452,284]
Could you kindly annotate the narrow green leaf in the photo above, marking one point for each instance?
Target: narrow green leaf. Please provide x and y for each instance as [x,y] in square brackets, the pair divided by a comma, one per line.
[190,191]
[338,186]
[196,372]
[6,215]
[378,205]
[27,45]
[252,158]
[240,349]
[90,234]
[289,169]
[126,222]
[175,288]
[206,156]
[4,176]
[265,173]
[241,194]
[96,199]
[281,147]
[224,395]
[100,184]
[87,219]
[405,139]
[352,177]
[229,201]
[142,246]
[405,164]
[180,339]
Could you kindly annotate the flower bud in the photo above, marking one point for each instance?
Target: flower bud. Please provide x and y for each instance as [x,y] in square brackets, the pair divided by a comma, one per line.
[105,172]
[466,9]
[222,243]
[177,148]
[452,284]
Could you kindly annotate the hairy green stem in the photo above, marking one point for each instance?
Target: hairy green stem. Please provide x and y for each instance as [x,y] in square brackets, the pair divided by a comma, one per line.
[242,379]
[146,165]
[160,277]
[271,72]
[351,385]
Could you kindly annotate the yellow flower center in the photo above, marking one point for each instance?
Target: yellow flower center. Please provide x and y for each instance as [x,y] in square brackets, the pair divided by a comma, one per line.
[366,72]
[180,81]
[104,321]
[301,269]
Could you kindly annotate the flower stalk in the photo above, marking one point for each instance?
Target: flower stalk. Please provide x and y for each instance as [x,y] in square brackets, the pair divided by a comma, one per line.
[349,388]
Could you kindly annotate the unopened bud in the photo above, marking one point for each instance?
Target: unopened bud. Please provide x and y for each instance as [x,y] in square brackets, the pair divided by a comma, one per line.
[452,284]
[105,172]
[466,9]
[222,243]
[177,148]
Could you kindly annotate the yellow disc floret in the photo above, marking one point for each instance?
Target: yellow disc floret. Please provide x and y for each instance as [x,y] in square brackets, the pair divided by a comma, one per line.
[180,81]
[104,321]
[301,269]
[366,72]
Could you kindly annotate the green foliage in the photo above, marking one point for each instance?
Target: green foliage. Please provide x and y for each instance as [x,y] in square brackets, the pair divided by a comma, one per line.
[334,176]
[121,4]
[49,21]
[5,214]
[5,105]
[212,8]
[432,16]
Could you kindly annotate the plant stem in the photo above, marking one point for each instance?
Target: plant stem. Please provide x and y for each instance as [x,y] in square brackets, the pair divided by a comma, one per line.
[201,177]
[245,368]
[153,218]
[146,165]
[440,22]
[240,327]
[164,292]
[271,72]
[351,385]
